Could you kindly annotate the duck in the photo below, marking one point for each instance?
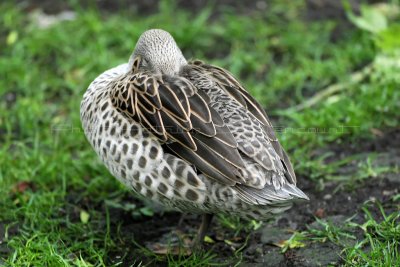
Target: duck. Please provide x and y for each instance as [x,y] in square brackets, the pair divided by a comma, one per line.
[187,135]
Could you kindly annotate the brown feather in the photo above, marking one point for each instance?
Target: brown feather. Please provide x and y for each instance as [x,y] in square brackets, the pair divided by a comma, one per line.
[229,154]
[207,129]
[208,163]
[171,101]
[200,108]
[230,85]
[178,114]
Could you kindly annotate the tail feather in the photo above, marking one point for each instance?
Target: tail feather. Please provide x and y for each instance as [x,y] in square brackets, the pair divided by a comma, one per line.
[288,193]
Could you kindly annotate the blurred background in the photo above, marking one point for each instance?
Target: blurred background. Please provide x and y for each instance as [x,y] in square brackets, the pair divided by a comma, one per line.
[326,71]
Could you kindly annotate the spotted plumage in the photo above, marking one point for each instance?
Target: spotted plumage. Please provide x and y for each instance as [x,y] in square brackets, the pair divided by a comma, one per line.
[187,135]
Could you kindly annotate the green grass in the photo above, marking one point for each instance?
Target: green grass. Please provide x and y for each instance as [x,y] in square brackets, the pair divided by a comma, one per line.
[375,242]
[379,243]
[62,216]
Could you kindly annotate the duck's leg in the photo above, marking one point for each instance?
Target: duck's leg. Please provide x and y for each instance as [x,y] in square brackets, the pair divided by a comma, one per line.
[181,219]
[205,224]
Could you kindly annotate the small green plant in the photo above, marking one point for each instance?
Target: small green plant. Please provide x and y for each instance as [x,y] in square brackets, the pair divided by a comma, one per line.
[295,241]
[238,225]
[327,231]
[381,243]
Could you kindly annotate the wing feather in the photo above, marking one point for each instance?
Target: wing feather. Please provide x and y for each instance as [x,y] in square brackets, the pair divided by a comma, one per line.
[180,116]
[197,105]
[174,100]
[230,85]
[207,129]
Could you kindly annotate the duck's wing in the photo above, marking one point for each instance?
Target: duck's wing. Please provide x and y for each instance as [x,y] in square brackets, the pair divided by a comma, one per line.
[230,85]
[180,117]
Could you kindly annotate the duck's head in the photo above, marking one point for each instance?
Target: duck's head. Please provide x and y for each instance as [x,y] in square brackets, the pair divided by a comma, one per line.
[159,53]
